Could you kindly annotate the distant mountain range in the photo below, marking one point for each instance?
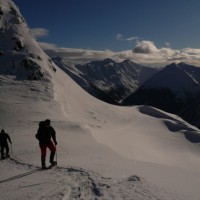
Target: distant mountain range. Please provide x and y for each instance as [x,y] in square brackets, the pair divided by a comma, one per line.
[107,80]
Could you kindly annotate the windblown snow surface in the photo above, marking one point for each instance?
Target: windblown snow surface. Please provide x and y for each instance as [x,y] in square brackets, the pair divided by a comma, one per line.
[103,152]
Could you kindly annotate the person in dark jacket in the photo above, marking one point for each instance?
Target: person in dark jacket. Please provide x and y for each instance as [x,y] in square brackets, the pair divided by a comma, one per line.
[4,138]
[45,135]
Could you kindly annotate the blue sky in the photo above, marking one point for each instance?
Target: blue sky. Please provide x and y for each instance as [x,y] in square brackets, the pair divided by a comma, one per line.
[115,25]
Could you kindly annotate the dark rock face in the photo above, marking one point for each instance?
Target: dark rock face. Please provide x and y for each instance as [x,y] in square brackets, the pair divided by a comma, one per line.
[163,99]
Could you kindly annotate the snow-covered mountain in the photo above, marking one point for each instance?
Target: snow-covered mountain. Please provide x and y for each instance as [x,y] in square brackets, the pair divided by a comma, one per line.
[103,152]
[171,89]
[23,65]
[181,79]
[20,55]
[107,80]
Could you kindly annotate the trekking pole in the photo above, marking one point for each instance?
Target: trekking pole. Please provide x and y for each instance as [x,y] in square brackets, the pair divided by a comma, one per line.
[11,149]
[56,157]
[11,144]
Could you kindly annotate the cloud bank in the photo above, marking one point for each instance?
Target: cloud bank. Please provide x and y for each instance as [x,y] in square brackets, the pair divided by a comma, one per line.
[144,52]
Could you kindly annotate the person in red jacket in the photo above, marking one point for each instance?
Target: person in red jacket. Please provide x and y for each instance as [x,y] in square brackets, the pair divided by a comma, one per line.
[45,135]
[4,138]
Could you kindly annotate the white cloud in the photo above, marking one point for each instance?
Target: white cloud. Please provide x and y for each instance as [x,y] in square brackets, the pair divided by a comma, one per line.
[121,37]
[132,38]
[40,32]
[167,44]
[48,46]
[145,47]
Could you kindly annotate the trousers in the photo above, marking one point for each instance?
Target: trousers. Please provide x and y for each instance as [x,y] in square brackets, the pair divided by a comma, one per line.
[43,148]
[4,146]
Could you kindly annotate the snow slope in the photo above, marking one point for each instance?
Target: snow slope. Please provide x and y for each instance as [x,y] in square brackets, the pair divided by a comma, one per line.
[103,152]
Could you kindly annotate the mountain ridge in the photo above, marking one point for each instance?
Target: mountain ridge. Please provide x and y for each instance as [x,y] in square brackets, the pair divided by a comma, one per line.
[175,78]
[106,79]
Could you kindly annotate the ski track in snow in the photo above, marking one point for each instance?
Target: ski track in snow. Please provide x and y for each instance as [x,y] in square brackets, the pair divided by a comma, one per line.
[26,181]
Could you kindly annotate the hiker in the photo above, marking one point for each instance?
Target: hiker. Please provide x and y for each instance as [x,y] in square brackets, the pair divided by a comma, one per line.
[4,138]
[45,135]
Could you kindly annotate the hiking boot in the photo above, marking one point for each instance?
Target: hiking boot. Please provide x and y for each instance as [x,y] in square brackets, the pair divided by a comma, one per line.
[52,157]
[44,167]
[53,163]
[43,163]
